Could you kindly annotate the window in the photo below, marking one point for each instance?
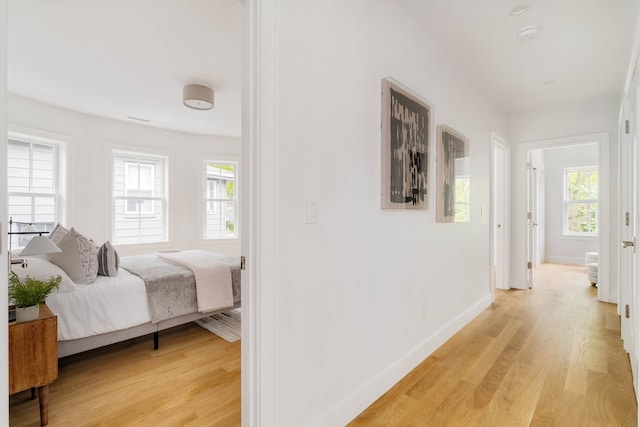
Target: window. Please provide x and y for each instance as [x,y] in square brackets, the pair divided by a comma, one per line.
[581,200]
[139,198]
[221,200]
[32,184]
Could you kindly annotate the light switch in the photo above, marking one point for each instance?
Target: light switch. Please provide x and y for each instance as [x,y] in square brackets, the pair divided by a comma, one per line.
[311,212]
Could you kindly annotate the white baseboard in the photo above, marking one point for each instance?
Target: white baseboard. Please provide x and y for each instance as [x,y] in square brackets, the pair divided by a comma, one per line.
[358,400]
[564,260]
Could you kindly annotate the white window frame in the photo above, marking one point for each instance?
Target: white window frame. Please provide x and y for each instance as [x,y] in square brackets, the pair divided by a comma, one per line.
[139,165]
[210,201]
[58,143]
[567,202]
[153,160]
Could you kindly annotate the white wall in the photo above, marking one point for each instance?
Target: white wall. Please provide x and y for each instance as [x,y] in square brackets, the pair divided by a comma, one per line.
[581,118]
[559,247]
[364,295]
[90,140]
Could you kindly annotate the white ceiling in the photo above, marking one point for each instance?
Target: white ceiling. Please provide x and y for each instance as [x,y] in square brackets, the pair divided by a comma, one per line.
[131,58]
[583,47]
[121,58]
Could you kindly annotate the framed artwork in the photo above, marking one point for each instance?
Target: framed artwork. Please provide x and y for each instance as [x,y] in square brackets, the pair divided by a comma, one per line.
[406,125]
[452,176]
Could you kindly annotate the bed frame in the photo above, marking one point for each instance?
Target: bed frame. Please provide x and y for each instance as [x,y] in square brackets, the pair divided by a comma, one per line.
[67,348]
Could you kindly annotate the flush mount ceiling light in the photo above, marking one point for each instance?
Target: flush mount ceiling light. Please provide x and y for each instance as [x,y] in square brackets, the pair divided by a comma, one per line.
[198,97]
[519,10]
[527,33]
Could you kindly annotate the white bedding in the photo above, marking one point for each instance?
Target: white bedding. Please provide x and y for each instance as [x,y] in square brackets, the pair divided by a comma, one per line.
[106,305]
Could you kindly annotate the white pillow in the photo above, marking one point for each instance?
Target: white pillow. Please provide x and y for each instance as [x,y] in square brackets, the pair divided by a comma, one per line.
[79,257]
[41,269]
[58,233]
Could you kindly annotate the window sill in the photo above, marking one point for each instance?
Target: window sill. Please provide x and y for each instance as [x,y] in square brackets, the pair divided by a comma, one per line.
[579,236]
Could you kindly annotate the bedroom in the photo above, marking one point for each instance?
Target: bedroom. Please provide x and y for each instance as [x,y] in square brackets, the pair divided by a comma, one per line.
[80,87]
[394,287]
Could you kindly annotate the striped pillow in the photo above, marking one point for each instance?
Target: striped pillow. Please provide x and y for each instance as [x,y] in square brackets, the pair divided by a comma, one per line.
[108,260]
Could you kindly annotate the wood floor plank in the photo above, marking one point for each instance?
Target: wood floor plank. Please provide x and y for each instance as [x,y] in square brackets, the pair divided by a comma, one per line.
[192,380]
[549,356]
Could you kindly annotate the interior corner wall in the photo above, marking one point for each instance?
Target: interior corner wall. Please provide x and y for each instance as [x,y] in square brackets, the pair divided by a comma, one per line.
[89,140]
[362,295]
[579,118]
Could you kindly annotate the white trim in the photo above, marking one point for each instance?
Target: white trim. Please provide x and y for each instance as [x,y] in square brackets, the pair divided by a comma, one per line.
[259,176]
[564,260]
[520,193]
[497,140]
[566,202]
[60,143]
[118,153]
[4,328]
[204,192]
[368,392]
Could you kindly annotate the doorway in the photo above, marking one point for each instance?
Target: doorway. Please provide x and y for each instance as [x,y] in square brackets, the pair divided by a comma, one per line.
[562,185]
[500,178]
[526,208]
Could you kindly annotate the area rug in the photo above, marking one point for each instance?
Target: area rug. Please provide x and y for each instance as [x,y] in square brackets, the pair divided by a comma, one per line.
[225,325]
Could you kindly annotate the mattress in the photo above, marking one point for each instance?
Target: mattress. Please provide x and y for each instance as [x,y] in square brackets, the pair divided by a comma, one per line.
[109,304]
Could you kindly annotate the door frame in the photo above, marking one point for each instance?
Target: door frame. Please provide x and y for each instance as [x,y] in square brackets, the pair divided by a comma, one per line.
[4,325]
[519,266]
[259,240]
[627,259]
[497,142]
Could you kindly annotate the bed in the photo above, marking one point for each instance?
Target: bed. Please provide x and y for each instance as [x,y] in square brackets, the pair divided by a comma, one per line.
[115,308]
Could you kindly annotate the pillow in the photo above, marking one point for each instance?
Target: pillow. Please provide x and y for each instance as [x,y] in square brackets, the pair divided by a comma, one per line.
[108,260]
[58,233]
[79,257]
[41,269]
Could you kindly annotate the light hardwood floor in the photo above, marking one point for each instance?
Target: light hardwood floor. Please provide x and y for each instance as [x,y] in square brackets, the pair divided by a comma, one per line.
[192,380]
[551,356]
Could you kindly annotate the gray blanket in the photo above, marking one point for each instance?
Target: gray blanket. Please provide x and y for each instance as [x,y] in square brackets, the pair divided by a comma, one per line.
[171,288]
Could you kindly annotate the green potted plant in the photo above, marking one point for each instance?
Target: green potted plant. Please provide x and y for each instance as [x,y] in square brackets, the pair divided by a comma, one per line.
[27,294]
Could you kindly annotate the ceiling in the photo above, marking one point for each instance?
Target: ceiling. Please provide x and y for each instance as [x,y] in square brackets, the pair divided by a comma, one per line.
[131,58]
[581,51]
[124,58]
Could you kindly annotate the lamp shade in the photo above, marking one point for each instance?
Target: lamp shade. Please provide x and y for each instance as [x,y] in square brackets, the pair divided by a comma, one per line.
[30,229]
[198,97]
[40,245]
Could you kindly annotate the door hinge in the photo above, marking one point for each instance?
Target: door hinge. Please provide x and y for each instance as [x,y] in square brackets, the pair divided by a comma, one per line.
[626,218]
[243,262]
[529,215]
[626,311]
[529,265]
[627,125]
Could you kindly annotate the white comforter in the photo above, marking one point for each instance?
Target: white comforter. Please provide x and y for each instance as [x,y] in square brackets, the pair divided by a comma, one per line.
[106,305]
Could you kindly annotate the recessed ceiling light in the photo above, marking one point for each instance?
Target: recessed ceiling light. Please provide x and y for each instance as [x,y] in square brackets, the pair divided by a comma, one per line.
[519,10]
[527,33]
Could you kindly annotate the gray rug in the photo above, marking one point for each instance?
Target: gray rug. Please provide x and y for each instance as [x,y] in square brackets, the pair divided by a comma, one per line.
[225,325]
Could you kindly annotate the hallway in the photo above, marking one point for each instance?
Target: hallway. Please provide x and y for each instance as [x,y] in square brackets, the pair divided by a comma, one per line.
[547,356]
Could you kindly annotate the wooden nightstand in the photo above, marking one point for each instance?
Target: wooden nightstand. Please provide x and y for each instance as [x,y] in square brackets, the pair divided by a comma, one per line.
[33,357]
